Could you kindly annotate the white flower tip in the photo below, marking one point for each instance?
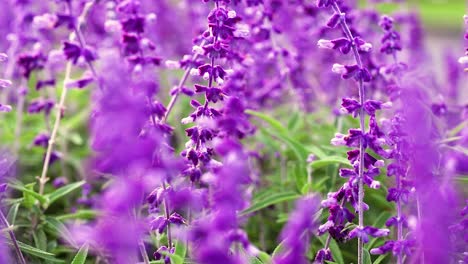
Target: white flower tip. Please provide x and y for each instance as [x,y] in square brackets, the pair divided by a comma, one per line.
[379,163]
[338,68]
[325,44]
[151,17]
[206,76]
[3,57]
[186,120]
[412,222]
[242,32]
[232,14]
[229,72]
[138,68]
[112,26]
[463,60]
[110,5]
[366,47]
[375,185]
[194,72]
[219,81]
[343,110]
[172,64]
[197,50]
[387,105]
[45,21]
[5,83]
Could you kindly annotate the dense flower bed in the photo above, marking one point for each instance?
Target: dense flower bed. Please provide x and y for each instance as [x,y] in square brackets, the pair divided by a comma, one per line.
[230,131]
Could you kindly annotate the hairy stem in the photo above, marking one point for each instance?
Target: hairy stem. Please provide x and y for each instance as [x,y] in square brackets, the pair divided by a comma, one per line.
[13,238]
[43,178]
[81,39]
[357,57]
[143,252]
[19,122]
[182,81]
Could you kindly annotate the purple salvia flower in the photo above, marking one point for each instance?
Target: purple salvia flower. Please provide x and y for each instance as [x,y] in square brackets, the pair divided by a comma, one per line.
[365,167]
[397,140]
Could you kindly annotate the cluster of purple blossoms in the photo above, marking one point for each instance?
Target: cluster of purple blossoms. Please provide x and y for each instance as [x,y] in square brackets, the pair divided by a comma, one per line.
[464,60]
[398,142]
[158,193]
[365,167]
[219,121]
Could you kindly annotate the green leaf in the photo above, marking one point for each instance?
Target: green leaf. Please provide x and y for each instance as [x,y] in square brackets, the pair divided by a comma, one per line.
[59,229]
[255,260]
[40,239]
[330,160]
[278,249]
[270,200]
[28,190]
[319,184]
[38,253]
[270,120]
[12,213]
[380,259]
[306,188]
[317,152]
[63,191]
[180,251]
[281,133]
[80,214]
[294,121]
[28,199]
[81,256]
[264,257]
[366,257]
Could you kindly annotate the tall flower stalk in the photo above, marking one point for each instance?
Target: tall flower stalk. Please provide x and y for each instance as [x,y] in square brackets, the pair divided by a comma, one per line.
[396,137]
[365,167]
[67,84]
[464,59]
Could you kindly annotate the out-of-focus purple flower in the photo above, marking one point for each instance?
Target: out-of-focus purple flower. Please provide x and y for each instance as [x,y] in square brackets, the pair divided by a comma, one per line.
[74,52]
[367,231]
[59,182]
[213,235]
[41,105]
[5,108]
[298,231]
[29,62]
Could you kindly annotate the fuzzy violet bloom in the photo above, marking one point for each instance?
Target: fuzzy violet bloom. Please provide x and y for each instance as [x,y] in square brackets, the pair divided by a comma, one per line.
[298,231]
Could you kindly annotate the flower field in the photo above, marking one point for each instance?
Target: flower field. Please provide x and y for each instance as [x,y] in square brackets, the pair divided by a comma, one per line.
[233,132]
